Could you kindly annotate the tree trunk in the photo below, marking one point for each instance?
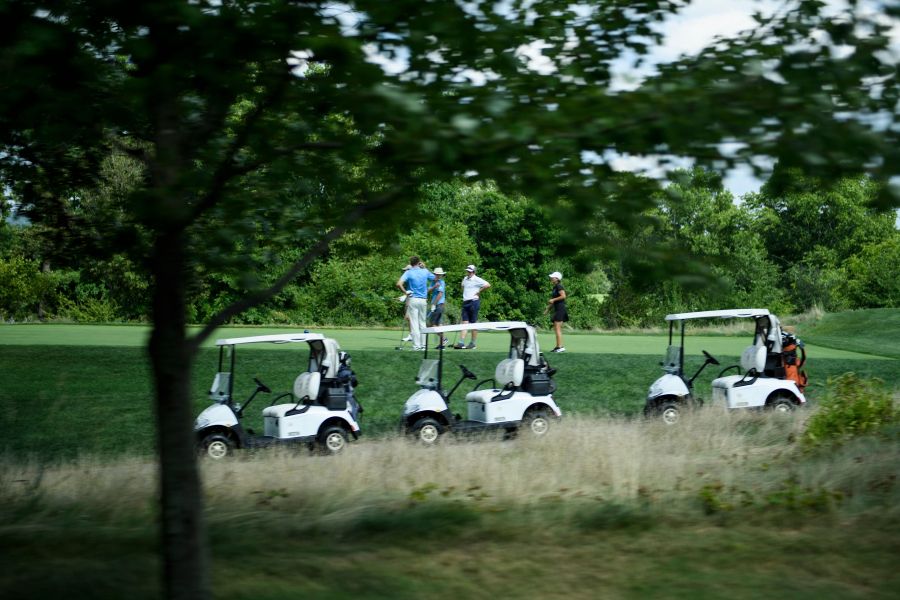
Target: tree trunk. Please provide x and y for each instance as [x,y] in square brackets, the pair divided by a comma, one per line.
[183,532]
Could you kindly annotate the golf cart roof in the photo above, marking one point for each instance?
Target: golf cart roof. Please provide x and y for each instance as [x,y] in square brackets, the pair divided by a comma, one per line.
[722,314]
[489,326]
[278,338]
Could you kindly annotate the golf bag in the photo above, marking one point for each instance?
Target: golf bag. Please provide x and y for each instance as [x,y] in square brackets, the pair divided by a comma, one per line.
[793,355]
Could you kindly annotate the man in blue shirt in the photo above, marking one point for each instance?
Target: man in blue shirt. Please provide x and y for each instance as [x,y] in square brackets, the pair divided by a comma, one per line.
[415,283]
[438,300]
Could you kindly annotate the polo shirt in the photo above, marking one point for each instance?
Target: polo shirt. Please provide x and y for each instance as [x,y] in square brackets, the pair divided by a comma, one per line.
[416,280]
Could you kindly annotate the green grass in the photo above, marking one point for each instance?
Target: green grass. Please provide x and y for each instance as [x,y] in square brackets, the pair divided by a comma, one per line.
[875,331]
[722,506]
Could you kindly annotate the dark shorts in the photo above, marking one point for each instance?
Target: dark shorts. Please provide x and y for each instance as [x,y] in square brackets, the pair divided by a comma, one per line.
[559,312]
[470,310]
[436,316]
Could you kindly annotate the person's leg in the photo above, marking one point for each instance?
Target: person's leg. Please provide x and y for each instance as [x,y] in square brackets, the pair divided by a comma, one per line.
[474,319]
[557,325]
[465,318]
[417,321]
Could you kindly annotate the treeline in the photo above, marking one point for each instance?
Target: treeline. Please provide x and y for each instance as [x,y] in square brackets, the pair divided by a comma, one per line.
[794,245]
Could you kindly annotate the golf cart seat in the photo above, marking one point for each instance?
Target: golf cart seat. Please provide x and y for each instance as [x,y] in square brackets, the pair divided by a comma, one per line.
[507,376]
[753,358]
[306,390]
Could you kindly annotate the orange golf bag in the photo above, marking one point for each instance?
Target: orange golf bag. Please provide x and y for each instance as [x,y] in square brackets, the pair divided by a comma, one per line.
[793,356]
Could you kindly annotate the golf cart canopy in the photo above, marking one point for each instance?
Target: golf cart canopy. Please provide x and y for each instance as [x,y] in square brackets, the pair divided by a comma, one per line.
[323,351]
[768,329]
[278,338]
[523,342]
[733,313]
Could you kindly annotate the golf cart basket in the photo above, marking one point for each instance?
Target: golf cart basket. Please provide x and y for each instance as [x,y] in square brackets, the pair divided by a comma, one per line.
[538,378]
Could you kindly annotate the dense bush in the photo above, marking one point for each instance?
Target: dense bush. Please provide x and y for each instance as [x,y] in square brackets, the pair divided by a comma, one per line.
[851,406]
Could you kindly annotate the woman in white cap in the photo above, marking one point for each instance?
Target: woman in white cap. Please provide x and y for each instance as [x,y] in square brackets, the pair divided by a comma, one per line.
[557,303]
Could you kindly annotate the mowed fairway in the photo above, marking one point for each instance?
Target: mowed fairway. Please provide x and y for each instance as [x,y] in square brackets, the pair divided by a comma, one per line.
[724,505]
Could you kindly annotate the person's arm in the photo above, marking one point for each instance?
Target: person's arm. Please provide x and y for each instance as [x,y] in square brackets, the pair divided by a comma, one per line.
[481,289]
[400,284]
[437,299]
[562,296]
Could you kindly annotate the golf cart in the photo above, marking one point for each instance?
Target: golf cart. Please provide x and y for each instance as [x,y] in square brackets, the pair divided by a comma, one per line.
[321,410]
[768,375]
[520,394]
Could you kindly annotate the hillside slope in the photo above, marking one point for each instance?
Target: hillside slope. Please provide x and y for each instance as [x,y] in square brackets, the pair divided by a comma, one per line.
[872,331]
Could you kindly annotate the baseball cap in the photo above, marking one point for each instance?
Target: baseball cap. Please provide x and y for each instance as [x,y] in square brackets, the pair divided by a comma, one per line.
[556,274]
[438,271]
[471,268]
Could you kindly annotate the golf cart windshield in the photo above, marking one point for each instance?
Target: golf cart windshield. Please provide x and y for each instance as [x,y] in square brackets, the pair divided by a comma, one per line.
[428,373]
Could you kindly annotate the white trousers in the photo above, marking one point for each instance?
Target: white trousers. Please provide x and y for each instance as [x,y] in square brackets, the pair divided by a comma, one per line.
[415,310]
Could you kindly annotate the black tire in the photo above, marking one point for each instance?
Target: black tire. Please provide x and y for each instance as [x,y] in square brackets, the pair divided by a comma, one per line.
[781,404]
[670,412]
[332,439]
[427,431]
[536,423]
[217,446]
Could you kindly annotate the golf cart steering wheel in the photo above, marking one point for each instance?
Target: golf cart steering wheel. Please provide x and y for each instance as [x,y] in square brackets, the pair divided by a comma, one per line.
[710,358]
[467,373]
[726,369]
[262,387]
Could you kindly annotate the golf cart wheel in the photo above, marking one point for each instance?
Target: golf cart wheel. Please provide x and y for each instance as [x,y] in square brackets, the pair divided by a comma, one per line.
[782,404]
[333,440]
[217,446]
[670,412]
[537,423]
[427,431]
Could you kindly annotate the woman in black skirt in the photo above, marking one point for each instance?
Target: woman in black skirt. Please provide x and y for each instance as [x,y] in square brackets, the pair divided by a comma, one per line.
[557,304]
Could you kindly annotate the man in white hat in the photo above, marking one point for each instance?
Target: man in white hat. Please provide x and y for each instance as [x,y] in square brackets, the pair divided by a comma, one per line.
[557,303]
[472,286]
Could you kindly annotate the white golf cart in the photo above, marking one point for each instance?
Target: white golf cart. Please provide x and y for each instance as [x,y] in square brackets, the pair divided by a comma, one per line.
[520,395]
[761,380]
[320,411]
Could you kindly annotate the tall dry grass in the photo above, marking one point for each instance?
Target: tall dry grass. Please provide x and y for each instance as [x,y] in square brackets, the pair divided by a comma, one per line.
[738,455]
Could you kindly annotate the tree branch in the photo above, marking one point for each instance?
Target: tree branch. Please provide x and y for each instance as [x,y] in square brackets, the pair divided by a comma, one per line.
[258,297]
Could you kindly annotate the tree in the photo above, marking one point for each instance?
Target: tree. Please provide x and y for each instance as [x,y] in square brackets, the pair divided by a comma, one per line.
[812,226]
[274,115]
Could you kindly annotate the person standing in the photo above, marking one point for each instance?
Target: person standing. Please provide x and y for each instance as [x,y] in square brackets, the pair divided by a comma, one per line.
[438,301]
[405,300]
[415,283]
[472,286]
[557,304]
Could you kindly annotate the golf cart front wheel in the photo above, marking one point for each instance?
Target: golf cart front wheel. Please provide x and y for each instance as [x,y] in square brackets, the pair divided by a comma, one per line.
[333,440]
[217,446]
[427,431]
[670,412]
[537,423]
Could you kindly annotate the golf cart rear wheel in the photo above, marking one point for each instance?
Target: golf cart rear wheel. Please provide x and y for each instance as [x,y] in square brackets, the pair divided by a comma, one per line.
[782,404]
[670,412]
[333,440]
[217,446]
[427,431]
[537,423]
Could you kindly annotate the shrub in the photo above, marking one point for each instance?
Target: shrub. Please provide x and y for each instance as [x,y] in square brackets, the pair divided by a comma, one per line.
[851,406]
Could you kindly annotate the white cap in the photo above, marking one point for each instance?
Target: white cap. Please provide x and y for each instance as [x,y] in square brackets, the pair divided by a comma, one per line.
[438,271]
[407,268]
[470,268]
[556,275]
